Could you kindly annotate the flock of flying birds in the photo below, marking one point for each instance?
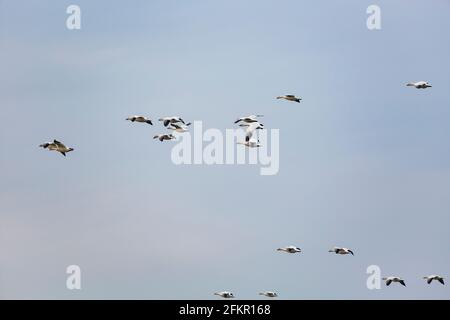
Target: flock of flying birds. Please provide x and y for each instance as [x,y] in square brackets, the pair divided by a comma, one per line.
[177,124]
[250,124]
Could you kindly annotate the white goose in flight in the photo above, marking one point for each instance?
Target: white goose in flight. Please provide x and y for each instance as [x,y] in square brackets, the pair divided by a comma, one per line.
[249,119]
[179,127]
[389,280]
[290,97]
[141,119]
[56,146]
[434,277]
[269,294]
[251,128]
[224,294]
[162,137]
[290,249]
[419,84]
[339,250]
[167,120]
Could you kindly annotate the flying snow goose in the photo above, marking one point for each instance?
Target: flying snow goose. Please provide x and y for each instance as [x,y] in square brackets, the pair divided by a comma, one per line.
[162,137]
[289,97]
[290,249]
[224,294]
[56,146]
[419,84]
[141,119]
[434,277]
[178,128]
[268,294]
[249,119]
[389,280]
[167,120]
[339,250]
[251,128]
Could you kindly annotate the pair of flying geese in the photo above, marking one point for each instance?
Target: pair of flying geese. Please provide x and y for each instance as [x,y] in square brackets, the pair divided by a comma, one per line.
[229,295]
[337,250]
[429,279]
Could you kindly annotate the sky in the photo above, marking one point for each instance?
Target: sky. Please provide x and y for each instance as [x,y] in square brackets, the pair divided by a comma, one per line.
[364,160]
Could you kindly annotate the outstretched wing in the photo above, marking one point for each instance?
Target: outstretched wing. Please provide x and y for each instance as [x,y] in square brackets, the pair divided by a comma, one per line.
[59,144]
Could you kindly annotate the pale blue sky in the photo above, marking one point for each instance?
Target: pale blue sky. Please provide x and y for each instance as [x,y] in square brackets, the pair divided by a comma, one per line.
[365,161]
